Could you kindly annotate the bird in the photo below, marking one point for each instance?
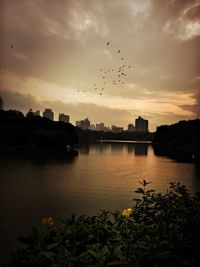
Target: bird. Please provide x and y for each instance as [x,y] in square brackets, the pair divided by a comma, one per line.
[11,46]
[122,58]
[108,43]
[118,51]
[103,77]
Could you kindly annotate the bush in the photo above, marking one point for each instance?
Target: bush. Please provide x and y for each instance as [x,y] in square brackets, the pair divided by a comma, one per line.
[160,230]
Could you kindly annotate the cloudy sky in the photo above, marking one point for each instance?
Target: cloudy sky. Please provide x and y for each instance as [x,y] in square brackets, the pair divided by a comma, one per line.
[54,54]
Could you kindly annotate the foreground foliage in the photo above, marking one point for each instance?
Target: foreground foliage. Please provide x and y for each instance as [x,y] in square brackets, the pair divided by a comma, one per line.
[161,230]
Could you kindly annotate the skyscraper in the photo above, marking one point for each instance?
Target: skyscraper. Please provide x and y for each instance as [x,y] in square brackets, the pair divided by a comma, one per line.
[48,113]
[1,103]
[63,117]
[141,125]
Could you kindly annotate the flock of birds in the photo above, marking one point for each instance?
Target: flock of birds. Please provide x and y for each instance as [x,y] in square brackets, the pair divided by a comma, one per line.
[108,76]
[111,76]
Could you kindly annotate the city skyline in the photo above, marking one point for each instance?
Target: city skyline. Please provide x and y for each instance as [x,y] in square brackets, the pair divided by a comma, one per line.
[53,54]
[87,124]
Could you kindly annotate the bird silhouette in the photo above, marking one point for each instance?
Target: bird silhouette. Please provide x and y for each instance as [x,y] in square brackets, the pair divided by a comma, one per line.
[118,51]
[108,43]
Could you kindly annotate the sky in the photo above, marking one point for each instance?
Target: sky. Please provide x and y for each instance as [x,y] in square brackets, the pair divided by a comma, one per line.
[70,55]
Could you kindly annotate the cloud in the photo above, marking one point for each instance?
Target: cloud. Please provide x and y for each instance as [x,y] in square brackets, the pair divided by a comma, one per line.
[60,46]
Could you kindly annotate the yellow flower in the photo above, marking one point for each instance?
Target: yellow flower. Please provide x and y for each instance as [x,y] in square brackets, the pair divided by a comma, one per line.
[127,212]
[48,222]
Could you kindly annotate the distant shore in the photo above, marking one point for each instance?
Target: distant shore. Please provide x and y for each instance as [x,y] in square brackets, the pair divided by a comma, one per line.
[123,141]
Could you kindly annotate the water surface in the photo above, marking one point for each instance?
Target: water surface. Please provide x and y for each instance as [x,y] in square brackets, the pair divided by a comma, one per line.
[103,176]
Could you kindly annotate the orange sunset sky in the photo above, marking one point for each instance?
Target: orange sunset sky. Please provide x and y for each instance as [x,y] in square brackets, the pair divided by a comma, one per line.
[55,54]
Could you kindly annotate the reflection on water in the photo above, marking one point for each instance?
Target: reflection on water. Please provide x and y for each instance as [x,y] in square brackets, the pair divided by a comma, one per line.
[103,176]
[141,149]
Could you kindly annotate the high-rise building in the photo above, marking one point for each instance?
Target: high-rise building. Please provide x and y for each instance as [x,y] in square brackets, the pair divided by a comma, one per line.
[1,103]
[131,128]
[83,124]
[141,125]
[48,113]
[63,117]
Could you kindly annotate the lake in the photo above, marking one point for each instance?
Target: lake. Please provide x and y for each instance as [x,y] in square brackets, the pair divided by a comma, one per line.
[103,176]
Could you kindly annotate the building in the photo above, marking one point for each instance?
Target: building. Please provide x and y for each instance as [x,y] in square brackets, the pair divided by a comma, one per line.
[48,113]
[116,129]
[141,125]
[131,128]
[1,103]
[63,117]
[92,127]
[83,124]
[32,113]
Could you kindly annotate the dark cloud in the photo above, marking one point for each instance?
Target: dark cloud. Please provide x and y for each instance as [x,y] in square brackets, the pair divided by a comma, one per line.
[195,108]
[193,13]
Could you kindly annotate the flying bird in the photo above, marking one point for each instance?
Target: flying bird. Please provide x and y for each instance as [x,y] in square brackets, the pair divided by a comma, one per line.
[118,51]
[108,43]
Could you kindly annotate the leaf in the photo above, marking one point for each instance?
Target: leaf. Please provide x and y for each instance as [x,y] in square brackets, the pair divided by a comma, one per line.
[139,191]
[93,253]
[49,255]
[51,246]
